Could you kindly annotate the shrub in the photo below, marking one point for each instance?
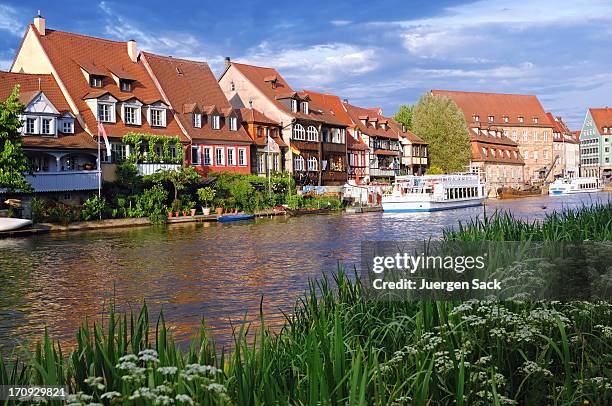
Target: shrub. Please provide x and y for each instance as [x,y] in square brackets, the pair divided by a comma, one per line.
[94,208]
[206,195]
[37,208]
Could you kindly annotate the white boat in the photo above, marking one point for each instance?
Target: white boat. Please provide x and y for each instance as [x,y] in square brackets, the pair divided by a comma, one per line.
[10,224]
[433,193]
[565,186]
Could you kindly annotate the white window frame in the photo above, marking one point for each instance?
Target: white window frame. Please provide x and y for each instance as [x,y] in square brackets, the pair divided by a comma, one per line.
[198,161]
[95,81]
[215,122]
[313,164]
[242,157]
[197,120]
[233,124]
[111,112]
[298,163]
[162,116]
[125,85]
[299,133]
[136,118]
[34,121]
[207,152]
[219,158]
[305,108]
[42,126]
[312,134]
[294,105]
[68,126]
[231,156]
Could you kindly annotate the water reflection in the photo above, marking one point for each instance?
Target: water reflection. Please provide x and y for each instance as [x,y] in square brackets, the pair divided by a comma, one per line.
[214,271]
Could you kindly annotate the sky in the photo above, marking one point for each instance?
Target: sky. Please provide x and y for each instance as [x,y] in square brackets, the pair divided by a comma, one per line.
[372,53]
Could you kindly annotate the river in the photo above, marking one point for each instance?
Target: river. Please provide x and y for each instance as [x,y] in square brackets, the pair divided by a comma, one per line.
[214,271]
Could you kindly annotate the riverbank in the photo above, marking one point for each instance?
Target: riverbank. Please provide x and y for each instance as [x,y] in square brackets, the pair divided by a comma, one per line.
[339,347]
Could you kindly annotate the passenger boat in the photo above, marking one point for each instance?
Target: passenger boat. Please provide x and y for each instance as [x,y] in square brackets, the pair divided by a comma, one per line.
[513,193]
[433,193]
[565,186]
[10,224]
[235,217]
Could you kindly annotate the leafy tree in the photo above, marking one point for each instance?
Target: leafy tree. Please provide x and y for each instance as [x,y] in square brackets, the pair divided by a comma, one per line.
[127,177]
[440,122]
[179,179]
[434,170]
[13,161]
[404,115]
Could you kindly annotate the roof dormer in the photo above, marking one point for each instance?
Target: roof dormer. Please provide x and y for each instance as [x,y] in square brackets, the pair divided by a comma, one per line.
[93,73]
[124,80]
[364,120]
[271,80]
[374,121]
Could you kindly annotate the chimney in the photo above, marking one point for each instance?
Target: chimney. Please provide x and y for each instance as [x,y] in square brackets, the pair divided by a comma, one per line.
[345,101]
[132,50]
[228,61]
[39,23]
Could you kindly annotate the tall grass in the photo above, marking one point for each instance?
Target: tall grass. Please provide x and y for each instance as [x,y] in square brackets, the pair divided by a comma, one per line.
[338,347]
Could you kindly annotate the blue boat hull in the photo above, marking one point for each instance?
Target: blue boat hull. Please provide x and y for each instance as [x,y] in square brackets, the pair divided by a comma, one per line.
[235,217]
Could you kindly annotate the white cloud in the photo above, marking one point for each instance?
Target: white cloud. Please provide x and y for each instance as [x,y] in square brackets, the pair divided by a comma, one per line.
[9,20]
[317,64]
[340,23]
[6,64]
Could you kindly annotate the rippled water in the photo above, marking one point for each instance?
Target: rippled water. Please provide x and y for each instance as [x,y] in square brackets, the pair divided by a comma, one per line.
[214,271]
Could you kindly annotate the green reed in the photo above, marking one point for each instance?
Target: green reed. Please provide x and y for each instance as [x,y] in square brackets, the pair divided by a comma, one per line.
[338,347]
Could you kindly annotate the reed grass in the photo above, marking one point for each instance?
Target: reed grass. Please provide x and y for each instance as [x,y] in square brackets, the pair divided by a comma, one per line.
[338,347]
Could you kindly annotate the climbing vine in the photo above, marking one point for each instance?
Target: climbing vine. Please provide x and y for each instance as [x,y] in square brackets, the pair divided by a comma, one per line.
[136,141]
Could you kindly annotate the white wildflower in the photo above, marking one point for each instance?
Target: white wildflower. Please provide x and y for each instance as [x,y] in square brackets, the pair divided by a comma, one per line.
[184,399]
[128,358]
[216,387]
[167,370]
[110,395]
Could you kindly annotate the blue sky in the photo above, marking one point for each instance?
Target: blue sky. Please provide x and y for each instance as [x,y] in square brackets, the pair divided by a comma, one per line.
[375,54]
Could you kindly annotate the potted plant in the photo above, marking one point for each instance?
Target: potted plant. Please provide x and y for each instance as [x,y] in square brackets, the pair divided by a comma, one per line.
[169,214]
[220,204]
[206,195]
[192,209]
[176,207]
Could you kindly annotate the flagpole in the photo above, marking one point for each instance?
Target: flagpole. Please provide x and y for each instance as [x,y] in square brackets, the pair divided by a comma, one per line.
[99,167]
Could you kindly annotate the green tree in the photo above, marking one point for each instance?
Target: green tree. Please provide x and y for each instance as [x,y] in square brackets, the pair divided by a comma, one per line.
[404,115]
[13,161]
[439,121]
[179,179]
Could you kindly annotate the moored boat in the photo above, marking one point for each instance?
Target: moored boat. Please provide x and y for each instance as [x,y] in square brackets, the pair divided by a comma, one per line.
[565,186]
[433,193]
[10,224]
[235,217]
[514,193]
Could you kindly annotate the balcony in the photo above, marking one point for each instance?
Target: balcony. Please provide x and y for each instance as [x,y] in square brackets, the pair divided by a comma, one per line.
[150,169]
[377,172]
[65,181]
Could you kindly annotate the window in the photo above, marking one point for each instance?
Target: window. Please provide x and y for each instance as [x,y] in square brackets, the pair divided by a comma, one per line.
[105,112]
[197,120]
[45,127]
[232,86]
[525,154]
[258,132]
[233,124]
[207,156]
[231,156]
[275,163]
[298,132]
[535,136]
[158,117]
[30,127]
[535,155]
[219,157]
[242,157]
[195,155]
[525,136]
[535,120]
[520,119]
[67,126]
[312,133]
[130,115]
[260,164]
[298,163]
[506,119]
[491,119]
[545,135]
[125,85]
[294,105]
[545,154]
[305,107]
[313,164]
[215,122]
[514,135]
[476,118]
[95,81]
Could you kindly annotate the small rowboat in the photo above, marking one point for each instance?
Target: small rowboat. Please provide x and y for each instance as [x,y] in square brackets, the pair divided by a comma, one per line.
[10,224]
[235,217]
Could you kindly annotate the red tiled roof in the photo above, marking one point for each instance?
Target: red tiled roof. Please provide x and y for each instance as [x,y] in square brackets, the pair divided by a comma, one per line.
[260,77]
[324,106]
[500,156]
[30,86]
[498,105]
[187,82]
[561,131]
[250,115]
[69,51]
[355,113]
[602,117]
[386,152]
[490,135]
